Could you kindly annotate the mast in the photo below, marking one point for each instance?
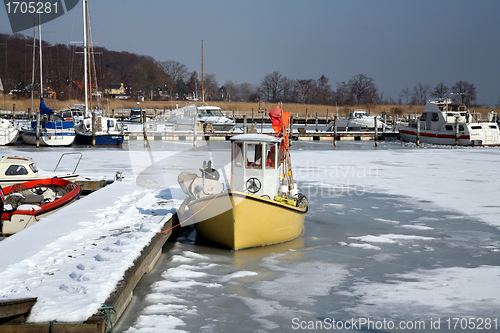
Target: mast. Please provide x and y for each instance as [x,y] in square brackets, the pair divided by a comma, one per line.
[202,83]
[85,53]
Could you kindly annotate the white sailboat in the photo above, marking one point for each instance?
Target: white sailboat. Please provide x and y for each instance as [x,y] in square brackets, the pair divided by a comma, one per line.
[52,130]
[97,129]
[8,133]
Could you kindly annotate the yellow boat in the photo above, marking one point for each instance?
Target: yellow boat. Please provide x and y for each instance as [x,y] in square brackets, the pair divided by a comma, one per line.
[256,210]
[238,220]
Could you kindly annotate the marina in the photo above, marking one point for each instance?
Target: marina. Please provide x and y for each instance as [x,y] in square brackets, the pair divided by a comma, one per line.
[367,234]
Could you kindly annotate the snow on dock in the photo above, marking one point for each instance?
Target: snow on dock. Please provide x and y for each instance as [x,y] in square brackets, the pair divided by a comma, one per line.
[73,259]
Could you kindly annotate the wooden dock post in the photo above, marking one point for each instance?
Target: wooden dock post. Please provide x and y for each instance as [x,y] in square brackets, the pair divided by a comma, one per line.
[316,121]
[457,134]
[291,131]
[306,118]
[14,112]
[252,118]
[245,124]
[262,122]
[195,131]
[376,131]
[335,131]
[38,128]
[417,140]
[143,122]
[93,129]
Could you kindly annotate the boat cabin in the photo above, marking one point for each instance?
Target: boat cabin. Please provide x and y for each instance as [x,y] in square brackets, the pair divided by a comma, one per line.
[255,164]
[438,113]
[15,169]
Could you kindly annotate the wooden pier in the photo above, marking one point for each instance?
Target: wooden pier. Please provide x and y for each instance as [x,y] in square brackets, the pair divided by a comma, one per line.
[14,313]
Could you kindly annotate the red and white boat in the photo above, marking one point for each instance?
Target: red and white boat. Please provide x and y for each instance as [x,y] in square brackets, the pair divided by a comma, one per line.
[26,203]
[445,122]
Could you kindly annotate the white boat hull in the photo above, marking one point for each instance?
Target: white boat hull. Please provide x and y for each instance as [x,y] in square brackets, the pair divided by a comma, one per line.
[49,138]
[479,134]
[8,136]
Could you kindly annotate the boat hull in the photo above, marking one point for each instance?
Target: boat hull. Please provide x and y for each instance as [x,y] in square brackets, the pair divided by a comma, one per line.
[8,137]
[238,221]
[52,139]
[101,139]
[409,134]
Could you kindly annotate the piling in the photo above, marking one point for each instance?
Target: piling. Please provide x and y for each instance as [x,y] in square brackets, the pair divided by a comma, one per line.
[252,118]
[262,122]
[417,141]
[93,129]
[376,131]
[457,134]
[291,131]
[306,118]
[316,121]
[38,128]
[335,131]
[143,122]
[14,112]
[195,132]
[245,124]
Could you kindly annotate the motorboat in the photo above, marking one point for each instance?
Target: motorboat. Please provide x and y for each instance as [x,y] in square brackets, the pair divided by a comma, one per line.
[261,206]
[211,117]
[108,131]
[26,203]
[137,115]
[8,133]
[445,122]
[53,129]
[358,120]
[15,170]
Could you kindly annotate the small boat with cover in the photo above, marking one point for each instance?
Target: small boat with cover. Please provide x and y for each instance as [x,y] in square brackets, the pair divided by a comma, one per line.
[26,203]
[262,205]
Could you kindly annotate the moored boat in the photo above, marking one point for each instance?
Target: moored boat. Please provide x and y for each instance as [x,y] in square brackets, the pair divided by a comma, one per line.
[26,203]
[358,120]
[445,122]
[107,131]
[256,210]
[8,133]
[15,170]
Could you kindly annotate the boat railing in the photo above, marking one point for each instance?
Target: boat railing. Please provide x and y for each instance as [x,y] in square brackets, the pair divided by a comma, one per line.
[76,166]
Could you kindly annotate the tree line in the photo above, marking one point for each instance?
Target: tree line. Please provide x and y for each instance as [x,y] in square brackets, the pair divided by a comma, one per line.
[170,79]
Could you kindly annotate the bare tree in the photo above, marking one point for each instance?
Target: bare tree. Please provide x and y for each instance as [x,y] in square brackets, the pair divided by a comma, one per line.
[406,94]
[174,70]
[304,90]
[363,89]
[323,91]
[420,92]
[211,87]
[466,91]
[440,91]
[270,86]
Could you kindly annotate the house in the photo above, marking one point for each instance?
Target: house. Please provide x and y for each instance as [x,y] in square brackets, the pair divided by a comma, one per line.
[116,91]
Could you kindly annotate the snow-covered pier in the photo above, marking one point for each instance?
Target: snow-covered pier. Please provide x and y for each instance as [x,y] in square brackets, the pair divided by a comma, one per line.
[82,264]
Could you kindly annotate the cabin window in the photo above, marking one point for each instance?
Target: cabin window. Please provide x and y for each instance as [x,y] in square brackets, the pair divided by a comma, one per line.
[33,167]
[449,127]
[238,154]
[493,126]
[423,117]
[461,128]
[15,170]
[476,127]
[271,157]
[435,116]
[254,155]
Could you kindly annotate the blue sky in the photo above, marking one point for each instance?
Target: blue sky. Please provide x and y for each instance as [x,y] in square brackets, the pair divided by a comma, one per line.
[398,43]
